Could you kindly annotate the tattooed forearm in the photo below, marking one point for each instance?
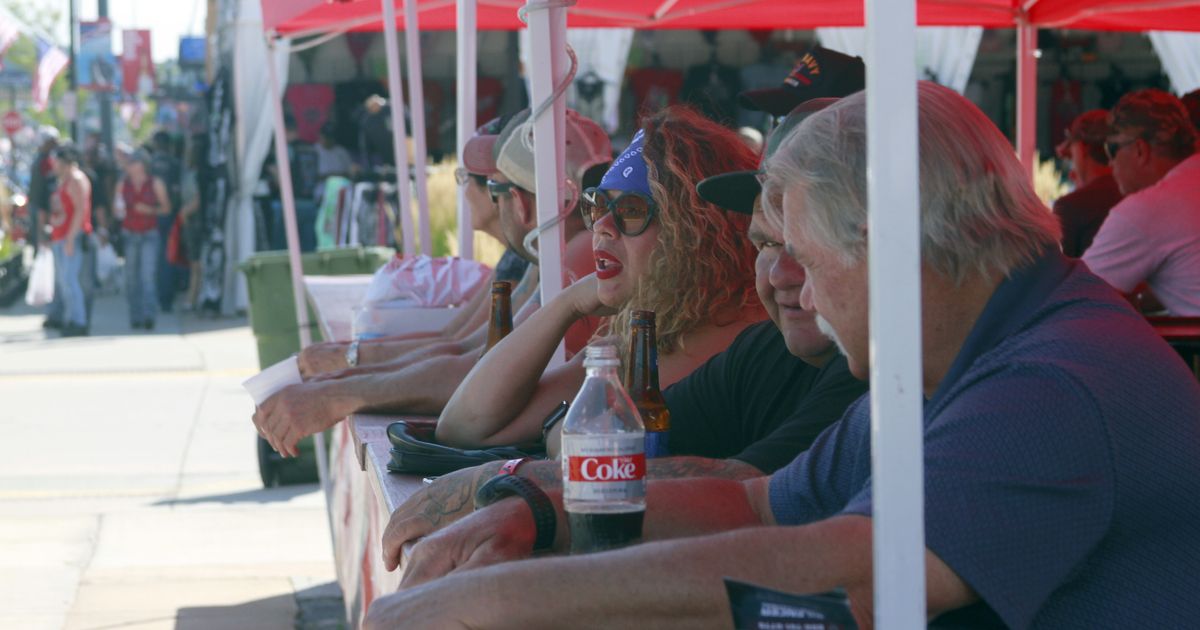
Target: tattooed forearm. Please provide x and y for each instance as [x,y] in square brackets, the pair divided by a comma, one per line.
[453,496]
[681,467]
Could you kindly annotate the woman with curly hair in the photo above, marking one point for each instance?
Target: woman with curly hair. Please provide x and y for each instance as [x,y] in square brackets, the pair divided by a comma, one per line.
[658,246]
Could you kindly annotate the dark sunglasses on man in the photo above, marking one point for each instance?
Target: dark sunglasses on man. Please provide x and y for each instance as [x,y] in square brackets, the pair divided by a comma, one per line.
[495,189]
[462,176]
[632,212]
[1112,148]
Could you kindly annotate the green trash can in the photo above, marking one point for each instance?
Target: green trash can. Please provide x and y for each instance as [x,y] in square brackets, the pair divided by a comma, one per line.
[273,320]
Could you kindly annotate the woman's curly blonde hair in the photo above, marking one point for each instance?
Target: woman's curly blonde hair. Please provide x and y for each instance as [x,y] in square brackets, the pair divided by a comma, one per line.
[703,266]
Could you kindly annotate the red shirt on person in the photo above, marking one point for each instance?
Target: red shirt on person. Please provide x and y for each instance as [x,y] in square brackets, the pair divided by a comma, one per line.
[132,194]
[61,222]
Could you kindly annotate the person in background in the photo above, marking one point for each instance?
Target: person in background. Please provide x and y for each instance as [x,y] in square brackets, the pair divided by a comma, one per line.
[165,166]
[1082,211]
[193,219]
[332,158]
[71,226]
[145,199]
[375,133]
[1153,234]
[1191,101]
[41,185]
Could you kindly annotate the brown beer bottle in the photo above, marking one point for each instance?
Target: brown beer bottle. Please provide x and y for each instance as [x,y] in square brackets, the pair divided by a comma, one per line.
[641,381]
[500,324]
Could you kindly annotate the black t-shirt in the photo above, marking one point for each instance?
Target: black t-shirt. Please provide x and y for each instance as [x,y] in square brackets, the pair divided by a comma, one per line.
[511,267]
[758,403]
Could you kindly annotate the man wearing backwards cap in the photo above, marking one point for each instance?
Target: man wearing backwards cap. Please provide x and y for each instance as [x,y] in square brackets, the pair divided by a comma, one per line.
[462,335]
[422,382]
[1082,211]
[759,403]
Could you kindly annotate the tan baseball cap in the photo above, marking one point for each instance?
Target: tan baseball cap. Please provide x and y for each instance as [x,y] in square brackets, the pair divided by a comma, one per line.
[586,146]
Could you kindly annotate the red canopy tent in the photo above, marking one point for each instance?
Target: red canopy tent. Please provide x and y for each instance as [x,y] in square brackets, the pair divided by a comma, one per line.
[894,262]
[290,17]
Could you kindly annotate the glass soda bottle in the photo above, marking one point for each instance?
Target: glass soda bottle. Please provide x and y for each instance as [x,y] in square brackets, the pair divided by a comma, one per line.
[641,381]
[603,459]
[501,321]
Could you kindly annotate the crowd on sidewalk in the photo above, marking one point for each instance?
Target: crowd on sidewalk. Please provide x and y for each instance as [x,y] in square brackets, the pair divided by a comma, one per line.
[143,206]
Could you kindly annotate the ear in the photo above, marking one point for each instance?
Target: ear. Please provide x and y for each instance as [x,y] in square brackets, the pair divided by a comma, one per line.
[526,209]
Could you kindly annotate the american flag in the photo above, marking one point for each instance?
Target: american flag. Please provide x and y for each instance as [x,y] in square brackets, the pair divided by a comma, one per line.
[51,61]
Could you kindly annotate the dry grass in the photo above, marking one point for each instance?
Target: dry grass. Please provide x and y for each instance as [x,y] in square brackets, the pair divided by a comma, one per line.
[443,220]
[1048,181]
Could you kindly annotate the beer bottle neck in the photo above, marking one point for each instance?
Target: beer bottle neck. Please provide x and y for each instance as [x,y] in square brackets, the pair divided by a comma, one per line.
[643,361]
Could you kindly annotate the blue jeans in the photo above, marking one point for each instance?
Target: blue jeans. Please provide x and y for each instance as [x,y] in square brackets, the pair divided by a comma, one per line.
[69,304]
[141,264]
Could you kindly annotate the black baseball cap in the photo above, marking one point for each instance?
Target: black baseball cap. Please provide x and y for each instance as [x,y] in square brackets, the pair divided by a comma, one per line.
[737,191]
[820,73]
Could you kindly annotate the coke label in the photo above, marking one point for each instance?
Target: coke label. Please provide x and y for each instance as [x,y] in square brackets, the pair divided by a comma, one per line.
[600,469]
[604,468]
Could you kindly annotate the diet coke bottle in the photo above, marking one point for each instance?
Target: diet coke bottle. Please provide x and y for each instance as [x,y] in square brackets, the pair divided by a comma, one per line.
[603,459]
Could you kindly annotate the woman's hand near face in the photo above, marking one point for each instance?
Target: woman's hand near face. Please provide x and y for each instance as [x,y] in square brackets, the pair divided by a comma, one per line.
[584,296]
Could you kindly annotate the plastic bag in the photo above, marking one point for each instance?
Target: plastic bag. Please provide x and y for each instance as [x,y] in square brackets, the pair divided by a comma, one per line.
[40,291]
[432,282]
[106,263]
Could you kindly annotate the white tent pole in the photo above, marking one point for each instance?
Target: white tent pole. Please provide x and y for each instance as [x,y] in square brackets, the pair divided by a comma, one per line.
[1026,94]
[283,163]
[467,49]
[895,315]
[548,38]
[416,111]
[403,188]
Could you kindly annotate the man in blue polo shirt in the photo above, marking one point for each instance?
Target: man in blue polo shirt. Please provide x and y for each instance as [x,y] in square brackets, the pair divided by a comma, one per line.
[1062,435]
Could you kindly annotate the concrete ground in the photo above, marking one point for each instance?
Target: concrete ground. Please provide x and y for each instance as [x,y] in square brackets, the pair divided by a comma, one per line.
[129,488]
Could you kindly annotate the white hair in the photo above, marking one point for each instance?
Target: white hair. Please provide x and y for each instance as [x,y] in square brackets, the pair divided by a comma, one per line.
[979,213]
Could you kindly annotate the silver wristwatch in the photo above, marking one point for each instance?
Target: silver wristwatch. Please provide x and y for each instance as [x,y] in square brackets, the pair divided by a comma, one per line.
[352,354]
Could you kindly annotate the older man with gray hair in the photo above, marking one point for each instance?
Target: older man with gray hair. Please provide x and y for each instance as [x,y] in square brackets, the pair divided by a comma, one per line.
[1062,436]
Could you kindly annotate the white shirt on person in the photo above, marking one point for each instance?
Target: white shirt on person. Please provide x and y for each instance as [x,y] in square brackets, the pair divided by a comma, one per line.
[1153,236]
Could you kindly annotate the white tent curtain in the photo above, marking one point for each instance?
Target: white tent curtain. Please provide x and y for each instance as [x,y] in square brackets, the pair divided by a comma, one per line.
[253,137]
[599,50]
[1180,57]
[944,54]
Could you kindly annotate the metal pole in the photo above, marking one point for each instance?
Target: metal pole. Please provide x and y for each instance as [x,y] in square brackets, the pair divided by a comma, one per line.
[894,264]
[283,163]
[416,111]
[548,38]
[73,73]
[106,111]
[403,187]
[467,48]
[1026,94]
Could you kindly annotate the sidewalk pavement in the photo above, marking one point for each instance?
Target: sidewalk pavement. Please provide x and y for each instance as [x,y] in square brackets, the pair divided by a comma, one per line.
[129,488]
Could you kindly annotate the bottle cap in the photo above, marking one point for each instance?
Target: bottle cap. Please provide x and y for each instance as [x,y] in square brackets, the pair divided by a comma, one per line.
[600,354]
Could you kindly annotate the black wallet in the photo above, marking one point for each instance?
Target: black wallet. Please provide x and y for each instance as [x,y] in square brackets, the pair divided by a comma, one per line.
[414,451]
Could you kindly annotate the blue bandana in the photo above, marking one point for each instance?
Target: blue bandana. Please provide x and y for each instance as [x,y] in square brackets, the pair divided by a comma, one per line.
[628,172]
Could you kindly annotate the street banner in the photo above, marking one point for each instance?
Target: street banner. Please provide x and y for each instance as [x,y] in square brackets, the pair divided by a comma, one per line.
[97,67]
[137,67]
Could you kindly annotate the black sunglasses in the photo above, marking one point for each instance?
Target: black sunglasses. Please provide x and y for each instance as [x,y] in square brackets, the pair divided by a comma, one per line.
[462,176]
[495,189]
[632,212]
[1111,148]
